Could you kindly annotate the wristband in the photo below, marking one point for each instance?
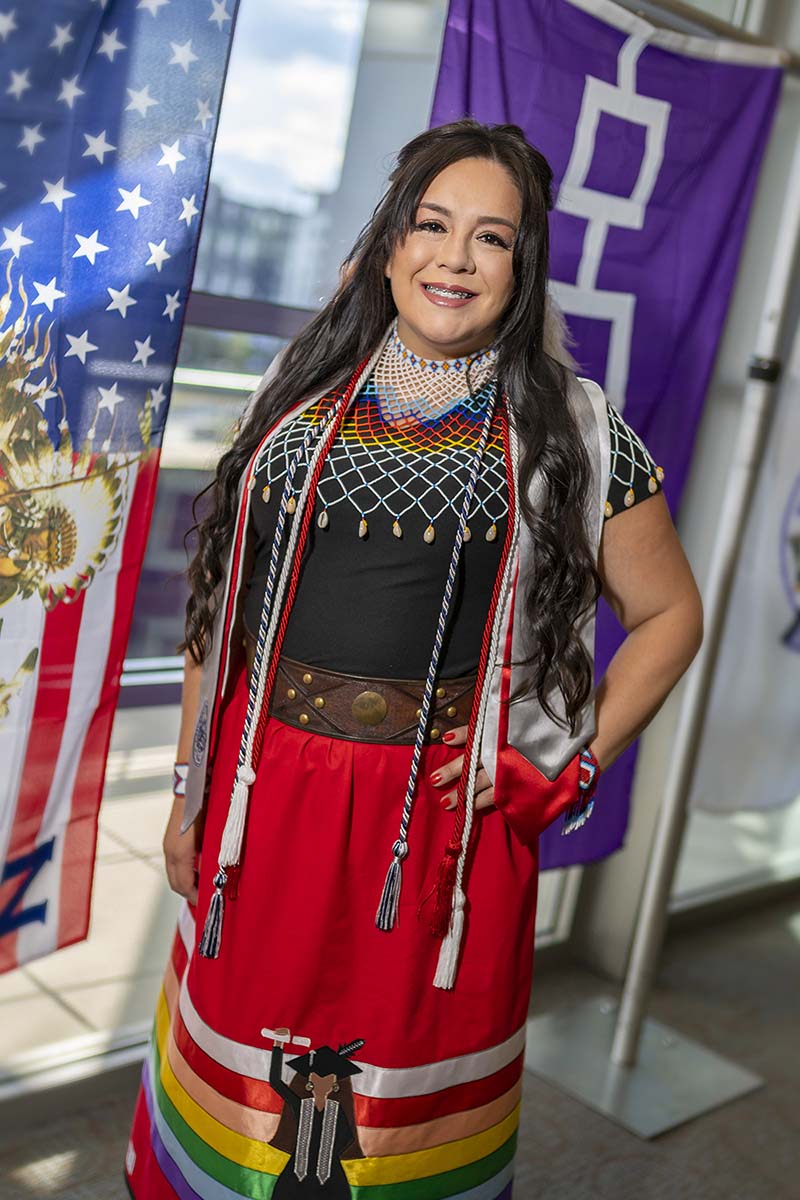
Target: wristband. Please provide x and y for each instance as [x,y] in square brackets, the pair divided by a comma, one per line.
[589,772]
[179,773]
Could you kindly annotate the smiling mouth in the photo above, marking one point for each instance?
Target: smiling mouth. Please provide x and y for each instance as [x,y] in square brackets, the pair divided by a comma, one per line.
[447,292]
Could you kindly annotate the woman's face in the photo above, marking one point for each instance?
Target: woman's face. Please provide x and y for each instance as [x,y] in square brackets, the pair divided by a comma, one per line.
[452,277]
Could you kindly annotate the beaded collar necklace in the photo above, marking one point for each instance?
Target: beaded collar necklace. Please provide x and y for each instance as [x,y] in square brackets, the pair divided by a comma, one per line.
[440,366]
[416,388]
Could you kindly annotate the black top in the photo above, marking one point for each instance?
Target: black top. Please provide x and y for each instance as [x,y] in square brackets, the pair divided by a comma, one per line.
[368,605]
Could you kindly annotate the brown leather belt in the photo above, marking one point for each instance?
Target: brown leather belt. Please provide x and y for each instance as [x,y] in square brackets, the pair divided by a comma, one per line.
[359,708]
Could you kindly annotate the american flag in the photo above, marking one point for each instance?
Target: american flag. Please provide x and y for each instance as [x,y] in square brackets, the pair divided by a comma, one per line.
[108,110]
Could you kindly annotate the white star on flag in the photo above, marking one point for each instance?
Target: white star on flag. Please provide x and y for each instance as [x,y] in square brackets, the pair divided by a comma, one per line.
[173,304]
[189,210]
[171,156]
[47,293]
[62,36]
[219,14]
[8,23]
[158,254]
[204,113]
[97,146]
[144,350]
[120,300]
[132,201]
[182,55]
[158,396]
[141,100]
[89,247]
[109,398]
[152,6]
[41,400]
[79,346]
[30,138]
[15,240]
[19,84]
[111,45]
[56,194]
[70,91]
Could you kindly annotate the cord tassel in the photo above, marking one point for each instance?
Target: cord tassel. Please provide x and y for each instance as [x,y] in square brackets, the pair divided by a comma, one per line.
[212,930]
[443,890]
[445,976]
[386,915]
[233,834]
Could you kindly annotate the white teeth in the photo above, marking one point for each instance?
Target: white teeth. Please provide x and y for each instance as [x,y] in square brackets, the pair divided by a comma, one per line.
[446,292]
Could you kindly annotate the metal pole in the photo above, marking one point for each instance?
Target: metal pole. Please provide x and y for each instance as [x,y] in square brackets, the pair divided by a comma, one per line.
[674,14]
[756,416]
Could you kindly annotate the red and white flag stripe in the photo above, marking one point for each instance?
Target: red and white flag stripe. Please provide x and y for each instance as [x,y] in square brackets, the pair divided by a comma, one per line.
[57,744]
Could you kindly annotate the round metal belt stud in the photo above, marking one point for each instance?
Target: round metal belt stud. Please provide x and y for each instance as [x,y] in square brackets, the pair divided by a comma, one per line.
[434,733]
[308,677]
[304,718]
[319,702]
[419,713]
[451,710]
[291,693]
[369,708]
[440,692]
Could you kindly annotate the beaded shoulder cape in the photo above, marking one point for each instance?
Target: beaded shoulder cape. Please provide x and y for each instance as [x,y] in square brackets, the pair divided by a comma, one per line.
[403,454]
[402,457]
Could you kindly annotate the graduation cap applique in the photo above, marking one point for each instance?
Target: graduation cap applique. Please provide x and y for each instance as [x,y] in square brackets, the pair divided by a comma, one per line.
[325,1061]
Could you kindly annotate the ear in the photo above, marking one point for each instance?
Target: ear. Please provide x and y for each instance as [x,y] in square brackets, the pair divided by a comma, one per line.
[387,270]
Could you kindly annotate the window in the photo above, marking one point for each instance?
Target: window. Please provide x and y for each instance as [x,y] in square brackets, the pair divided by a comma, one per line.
[319,95]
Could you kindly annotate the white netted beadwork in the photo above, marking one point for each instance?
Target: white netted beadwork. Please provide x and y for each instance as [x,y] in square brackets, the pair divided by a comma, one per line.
[406,445]
[413,388]
[631,463]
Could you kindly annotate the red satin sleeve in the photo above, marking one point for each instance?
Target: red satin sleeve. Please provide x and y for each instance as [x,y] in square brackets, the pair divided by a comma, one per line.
[528,800]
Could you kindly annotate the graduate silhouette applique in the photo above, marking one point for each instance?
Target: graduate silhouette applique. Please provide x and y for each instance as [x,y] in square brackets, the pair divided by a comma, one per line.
[317,1127]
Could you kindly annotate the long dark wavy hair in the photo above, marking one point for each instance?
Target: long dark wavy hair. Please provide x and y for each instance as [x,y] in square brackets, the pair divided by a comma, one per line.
[349,328]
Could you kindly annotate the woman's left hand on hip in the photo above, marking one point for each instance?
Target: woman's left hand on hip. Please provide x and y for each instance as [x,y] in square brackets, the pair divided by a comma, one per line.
[446,777]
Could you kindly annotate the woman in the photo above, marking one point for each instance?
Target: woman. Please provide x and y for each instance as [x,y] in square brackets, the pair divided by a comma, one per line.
[389,693]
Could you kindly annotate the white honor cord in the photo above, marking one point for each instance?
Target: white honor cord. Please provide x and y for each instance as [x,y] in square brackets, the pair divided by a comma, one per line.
[451,944]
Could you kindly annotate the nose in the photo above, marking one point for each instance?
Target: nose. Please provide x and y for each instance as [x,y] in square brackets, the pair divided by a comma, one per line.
[455,254]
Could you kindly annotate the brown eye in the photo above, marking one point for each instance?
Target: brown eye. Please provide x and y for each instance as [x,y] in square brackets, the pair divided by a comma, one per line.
[497,241]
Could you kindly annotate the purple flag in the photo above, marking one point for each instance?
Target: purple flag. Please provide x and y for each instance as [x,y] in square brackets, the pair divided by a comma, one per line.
[656,140]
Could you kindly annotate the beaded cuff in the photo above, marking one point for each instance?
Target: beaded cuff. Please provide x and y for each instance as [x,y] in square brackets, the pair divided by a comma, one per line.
[589,772]
[179,773]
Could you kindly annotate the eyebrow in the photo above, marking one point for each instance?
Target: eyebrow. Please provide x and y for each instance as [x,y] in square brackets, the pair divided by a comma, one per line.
[481,220]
